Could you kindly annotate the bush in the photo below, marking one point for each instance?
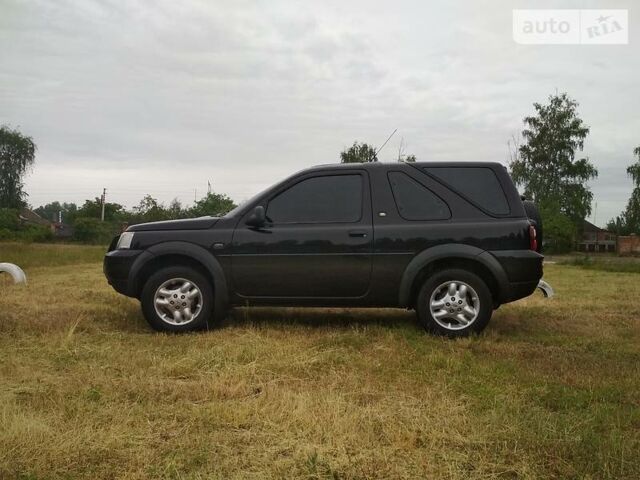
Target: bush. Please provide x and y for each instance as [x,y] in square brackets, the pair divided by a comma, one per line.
[6,234]
[11,229]
[92,230]
[559,231]
[34,233]
[9,219]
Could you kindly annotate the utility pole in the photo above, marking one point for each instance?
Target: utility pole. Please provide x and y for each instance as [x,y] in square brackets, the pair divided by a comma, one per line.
[595,219]
[102,201]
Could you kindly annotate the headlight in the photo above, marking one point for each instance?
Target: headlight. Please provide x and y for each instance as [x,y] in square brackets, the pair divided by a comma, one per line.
[125,240]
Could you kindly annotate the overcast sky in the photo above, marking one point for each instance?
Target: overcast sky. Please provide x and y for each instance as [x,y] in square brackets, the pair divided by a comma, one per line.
[160,96]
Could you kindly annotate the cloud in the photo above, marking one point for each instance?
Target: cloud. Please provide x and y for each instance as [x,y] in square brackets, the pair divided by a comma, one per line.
[158,97]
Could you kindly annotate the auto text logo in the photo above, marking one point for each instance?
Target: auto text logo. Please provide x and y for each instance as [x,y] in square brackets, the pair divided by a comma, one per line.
[571,27]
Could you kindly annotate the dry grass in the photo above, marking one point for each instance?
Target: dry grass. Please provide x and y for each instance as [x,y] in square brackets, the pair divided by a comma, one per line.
[88,391]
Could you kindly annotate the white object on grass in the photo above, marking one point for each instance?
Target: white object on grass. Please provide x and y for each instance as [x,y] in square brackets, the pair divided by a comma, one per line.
[15,271]
[547,291]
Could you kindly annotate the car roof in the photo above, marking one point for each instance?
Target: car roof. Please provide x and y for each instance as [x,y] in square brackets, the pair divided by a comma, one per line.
[386,165]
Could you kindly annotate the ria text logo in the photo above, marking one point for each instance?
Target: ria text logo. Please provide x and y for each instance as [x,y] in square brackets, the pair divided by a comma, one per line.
[571,27]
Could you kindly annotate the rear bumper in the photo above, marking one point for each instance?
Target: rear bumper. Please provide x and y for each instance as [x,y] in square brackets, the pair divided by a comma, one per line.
[117,266]
[520,290]
[523,269]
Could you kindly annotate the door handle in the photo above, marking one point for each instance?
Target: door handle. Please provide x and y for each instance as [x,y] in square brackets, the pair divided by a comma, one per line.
[357,233]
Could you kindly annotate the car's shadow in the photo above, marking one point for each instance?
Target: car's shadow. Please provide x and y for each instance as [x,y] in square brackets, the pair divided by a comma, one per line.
[321,317]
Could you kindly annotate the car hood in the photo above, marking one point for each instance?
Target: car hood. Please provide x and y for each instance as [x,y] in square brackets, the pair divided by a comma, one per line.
[201,223]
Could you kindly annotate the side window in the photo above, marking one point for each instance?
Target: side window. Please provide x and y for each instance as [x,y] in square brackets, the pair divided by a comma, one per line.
[415,201]
[478,184]
[326,199]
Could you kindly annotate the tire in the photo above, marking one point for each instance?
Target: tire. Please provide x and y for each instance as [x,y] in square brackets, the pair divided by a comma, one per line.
[534,214]
[476,296]
[196,299]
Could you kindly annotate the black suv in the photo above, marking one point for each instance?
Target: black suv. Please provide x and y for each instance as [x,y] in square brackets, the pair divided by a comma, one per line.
[451,240]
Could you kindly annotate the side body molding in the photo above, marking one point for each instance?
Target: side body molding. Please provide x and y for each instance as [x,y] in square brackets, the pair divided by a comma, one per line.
[195,252]
[451,250]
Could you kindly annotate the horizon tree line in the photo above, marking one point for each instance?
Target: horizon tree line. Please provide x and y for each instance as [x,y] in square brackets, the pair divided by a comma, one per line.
[546,165]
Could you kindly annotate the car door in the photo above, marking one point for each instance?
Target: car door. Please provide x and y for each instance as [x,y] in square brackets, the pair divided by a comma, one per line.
[317,242]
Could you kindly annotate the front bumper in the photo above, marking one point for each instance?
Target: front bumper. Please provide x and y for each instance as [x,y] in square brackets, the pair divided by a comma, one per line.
[117,266]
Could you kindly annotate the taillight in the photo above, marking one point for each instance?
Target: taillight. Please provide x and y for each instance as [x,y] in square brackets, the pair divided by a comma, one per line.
[533,240]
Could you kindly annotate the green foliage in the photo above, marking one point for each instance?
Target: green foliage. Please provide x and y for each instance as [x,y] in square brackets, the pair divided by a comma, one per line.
[149,210]
[27,234]
[175,209]
[358,153]
[6,234]
[213,204]
[17,154]
[51,211]
[402,156]
[92,230]
[88,228]
[93,209]
[9,219]
[603,263]
[559,230]
[34,233]
[546,165]
[11,229]
[628,221]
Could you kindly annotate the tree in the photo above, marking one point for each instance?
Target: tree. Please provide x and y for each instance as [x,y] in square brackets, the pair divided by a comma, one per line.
[150,210]
[629,220]
[51,211]
[359,153]
[559,230]
[92,230]
[175,209]
[546,166]
[213,204]
[93,209]
[402,155]
[17,154]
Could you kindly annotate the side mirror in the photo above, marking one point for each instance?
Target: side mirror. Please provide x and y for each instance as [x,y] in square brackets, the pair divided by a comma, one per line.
[257,218]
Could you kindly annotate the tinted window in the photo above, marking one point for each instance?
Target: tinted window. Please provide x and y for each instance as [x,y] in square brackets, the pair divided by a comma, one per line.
[336,198]
[415,201]
[478,184]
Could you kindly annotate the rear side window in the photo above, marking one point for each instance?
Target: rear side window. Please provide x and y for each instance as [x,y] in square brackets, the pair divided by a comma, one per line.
[415,201]
[478,184]
[326,199]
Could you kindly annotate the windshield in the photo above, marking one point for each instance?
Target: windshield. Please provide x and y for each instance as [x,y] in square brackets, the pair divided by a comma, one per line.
[242,205]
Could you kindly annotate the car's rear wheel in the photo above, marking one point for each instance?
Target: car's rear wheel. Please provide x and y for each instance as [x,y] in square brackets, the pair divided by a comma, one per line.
[454,303]
[177,299]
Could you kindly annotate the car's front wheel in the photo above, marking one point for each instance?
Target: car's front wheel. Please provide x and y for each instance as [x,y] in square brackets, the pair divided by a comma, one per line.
[454,303]
[177,299]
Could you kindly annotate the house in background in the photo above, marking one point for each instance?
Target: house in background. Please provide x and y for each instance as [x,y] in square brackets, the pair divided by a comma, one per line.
[62,230]
[596,239]
[29,217]
[59,229]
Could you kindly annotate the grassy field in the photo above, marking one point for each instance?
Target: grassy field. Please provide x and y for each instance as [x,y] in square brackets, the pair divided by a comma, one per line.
[550,390]
[604,262]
